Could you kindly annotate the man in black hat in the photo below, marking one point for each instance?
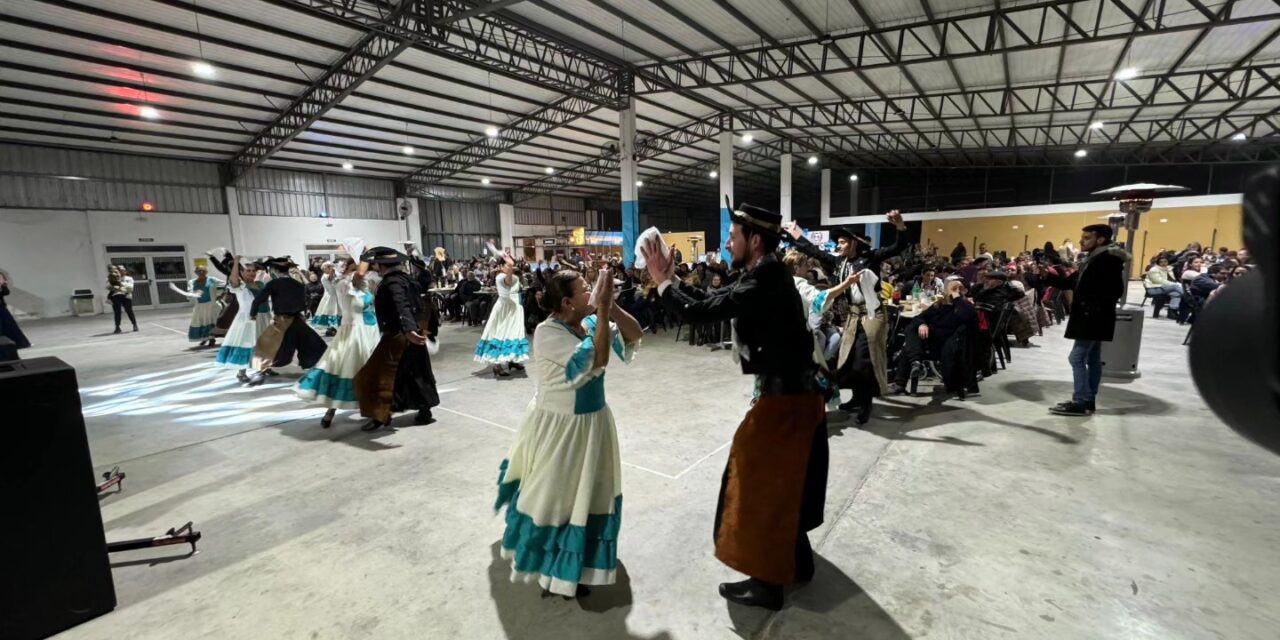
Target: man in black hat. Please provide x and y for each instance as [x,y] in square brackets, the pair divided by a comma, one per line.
[289,332]
[397,376]
[774,484]
[863,364]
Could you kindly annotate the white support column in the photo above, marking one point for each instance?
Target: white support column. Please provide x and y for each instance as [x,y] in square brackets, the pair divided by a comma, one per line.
[629,176]
[824,207]
[233,220]
[507,226]
[726,191]
[784,203]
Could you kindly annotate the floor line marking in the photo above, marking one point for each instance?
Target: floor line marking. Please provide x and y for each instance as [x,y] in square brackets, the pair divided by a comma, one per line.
[166,328]
[506,428]
[703,459]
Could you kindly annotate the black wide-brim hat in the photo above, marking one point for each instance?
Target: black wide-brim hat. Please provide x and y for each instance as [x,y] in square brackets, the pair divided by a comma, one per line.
[383,255]
[759,219]
[283,263]
[844,232]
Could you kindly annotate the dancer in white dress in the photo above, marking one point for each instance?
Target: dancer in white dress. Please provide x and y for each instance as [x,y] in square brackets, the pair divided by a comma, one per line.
[505,340]
[237,345]
[331,382]
[329,313]
[204,315]
[816,304]
[562,480]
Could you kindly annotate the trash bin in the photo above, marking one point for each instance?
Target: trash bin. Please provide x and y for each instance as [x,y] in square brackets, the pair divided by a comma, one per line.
[1120,356]
[82,302]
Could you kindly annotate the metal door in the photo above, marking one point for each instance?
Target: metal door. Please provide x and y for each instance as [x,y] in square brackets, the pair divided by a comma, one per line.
[153,269]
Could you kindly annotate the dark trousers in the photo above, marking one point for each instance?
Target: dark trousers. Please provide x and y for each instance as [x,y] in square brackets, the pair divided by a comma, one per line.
[122,302]
[913,350]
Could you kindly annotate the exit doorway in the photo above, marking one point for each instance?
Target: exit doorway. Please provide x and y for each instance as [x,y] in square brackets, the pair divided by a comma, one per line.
[153,268]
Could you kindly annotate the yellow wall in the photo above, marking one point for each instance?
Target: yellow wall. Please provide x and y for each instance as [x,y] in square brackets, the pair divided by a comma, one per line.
[681,240]
[1185,224]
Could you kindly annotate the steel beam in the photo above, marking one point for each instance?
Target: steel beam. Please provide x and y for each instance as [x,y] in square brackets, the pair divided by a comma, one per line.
[965,34]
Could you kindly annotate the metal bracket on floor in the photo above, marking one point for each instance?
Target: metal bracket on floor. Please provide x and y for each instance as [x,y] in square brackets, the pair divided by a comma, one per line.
[113,478]
[178,535]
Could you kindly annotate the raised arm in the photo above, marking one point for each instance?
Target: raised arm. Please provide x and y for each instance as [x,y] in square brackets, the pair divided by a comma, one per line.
[829,262]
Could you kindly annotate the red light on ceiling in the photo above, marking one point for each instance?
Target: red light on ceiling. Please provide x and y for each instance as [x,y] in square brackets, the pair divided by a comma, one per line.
[147,207]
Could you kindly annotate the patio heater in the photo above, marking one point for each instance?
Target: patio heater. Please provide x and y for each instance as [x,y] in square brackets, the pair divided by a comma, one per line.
[1120,356]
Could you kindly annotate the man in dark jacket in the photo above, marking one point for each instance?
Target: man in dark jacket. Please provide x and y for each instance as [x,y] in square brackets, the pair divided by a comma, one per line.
[774,485]
[289,332]
[1098,284]
[397,376]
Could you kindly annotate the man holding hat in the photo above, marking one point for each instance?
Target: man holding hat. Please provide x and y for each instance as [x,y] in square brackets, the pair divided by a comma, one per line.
[775,482]
[863,364]
[397,376]
[288,332]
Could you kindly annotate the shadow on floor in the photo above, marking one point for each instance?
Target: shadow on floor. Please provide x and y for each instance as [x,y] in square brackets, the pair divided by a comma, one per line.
[1113,400]
[525,614]
[487,372]
[896,419]
[832,606]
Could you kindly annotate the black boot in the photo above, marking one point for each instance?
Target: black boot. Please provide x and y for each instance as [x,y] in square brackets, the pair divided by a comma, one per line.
[423,417]
[753,593]
[371,425]
[864,414]
[117,330]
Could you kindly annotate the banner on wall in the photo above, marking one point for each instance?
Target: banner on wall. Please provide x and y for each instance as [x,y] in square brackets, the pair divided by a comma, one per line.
[604,238]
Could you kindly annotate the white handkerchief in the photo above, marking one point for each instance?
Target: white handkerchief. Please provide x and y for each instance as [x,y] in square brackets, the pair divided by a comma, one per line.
[648,236]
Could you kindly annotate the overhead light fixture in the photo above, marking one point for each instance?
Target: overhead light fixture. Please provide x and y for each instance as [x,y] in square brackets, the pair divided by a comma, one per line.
[1015,226]
[813,160]
[492,132]
[348,166]
[203,69]
[407,149]
[1097,124]
[939,229]
[747,138]
[1127,73]
[853,177]
[1039,226]
[1239,137]
[1164,220]
[149,112]
[1080,153]
[548,171]
[639,183]
[714,174]
[484,181]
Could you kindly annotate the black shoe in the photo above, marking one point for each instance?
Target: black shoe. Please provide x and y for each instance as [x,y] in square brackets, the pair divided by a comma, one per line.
[849,407]
[863,415]
[1062,405]
[272,372]
[583,591]
[753,593]
[326,422]
[242,377]
[256,379]
[371,425]
[499,372]
[135,328]
[423,417]
[516,365]
[117,330]
[896,389]
[1077,409]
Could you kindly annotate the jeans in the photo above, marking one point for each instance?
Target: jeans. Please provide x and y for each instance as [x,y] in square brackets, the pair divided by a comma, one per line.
[119,303]
[1174,291]
[1086,369]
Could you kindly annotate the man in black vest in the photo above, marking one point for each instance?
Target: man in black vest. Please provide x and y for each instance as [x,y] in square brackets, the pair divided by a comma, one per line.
[1098,284]
[397,376]
[775,483]
[288,332]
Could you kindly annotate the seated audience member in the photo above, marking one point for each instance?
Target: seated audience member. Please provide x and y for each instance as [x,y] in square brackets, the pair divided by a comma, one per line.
[997,292]
[1239,271]
[969,272]
[1207,283]
[1159,281]
[1191,268]
[468,297]
[942,332]
[929,283]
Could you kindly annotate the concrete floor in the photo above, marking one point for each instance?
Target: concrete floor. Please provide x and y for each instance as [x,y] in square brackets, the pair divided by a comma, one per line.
[986,519]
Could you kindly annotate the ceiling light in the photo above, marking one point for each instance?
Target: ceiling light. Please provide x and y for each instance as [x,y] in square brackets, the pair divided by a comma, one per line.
[713,174]
[1015,226]
[492,132]
[1239,137]
[484,181]
[1127,73]
[1080,153]
[939,229]
[549,171]
[407,149]
[853,177]
[1039,226]
[203,69]
[813,160]
[1097,124]
[639,183]
[348,166]
[747,138]
[149,112]
[1164,219]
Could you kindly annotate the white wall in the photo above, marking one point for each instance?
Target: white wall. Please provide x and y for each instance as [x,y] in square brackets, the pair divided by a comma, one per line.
[272,236]
[48,253]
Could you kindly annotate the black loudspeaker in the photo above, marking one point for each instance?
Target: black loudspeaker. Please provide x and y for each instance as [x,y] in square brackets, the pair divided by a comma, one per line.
[54,571]
[8,350]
